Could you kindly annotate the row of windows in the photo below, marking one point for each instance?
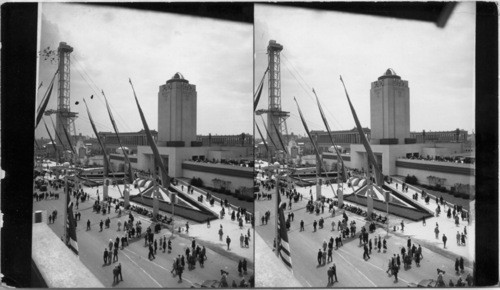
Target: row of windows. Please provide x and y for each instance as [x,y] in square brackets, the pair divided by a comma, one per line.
[136,140]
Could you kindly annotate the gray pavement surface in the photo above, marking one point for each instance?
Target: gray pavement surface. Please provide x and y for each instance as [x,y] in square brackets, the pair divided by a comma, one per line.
[352,269]
[137,269]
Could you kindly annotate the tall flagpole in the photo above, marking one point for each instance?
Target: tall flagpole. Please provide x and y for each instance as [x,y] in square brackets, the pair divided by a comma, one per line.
[277,209]
[65,220]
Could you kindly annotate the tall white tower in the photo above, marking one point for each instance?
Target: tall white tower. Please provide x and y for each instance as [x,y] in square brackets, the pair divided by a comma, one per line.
[390,109]
[177,112]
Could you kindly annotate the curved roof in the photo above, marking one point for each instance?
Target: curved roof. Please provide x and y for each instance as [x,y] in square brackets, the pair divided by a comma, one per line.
[389,74]
[177,77]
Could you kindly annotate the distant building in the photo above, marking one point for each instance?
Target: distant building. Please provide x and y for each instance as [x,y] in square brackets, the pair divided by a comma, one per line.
[177,113]
[214,159]
[128,139]
[225,140]
[390,110]
[446,156]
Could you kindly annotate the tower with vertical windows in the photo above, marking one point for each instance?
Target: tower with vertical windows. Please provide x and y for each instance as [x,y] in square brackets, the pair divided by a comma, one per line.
[177,112]
[390,110]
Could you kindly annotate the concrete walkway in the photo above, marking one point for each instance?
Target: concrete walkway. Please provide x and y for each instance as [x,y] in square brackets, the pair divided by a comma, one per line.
[415,230]
[196,230]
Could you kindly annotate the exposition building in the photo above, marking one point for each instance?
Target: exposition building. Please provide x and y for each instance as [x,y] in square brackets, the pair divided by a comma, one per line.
[217,164]
[447,162]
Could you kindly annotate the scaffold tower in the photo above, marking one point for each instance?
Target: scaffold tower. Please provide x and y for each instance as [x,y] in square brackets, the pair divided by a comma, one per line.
[64,116]
[274,113]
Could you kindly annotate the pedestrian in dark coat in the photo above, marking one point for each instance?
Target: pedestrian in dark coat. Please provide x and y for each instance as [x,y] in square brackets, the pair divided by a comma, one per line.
[379,245]
[105,256]
[334,268]
[240,266]
[461,264]
[444,240]
[315,223]
[370,245]
[365,252]
[457,265]
[115,254]
[119,267]
[320,256]
[398,261]
[151,254]
[115,275]
[395,271]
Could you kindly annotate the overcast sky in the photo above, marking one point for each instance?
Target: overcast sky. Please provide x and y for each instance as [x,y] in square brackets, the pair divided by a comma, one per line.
[319,46]
[113,44]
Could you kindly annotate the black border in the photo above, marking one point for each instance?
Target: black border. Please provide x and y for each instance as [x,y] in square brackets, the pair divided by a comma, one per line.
[18,86]
[486,267]
[18,83]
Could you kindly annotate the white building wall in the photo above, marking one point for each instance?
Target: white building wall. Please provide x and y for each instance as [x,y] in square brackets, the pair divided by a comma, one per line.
[236,182]
[422,175]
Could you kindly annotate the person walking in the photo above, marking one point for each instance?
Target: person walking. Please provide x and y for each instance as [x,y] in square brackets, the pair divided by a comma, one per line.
[436,231]
[315,223]
[457,266]
[301,225]
[320,256]
[389,267]
[242,239]
[370,246]
[105,256]
[88,225]
[228,242]
[100,225]
[329,272]
[385,246]
[119,270]
[330,258]
[444,240]
[221,233]
[334,268]
[417,259]
[244,265]
[115,254]
[180,270]
[395,271]
[151,254]
[115,275]
[365,252]
[461,264]
[379,245]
